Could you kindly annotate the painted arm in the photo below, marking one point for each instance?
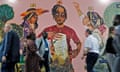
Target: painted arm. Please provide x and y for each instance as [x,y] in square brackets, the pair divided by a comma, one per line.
[78,43]
[77,7]
[76,51]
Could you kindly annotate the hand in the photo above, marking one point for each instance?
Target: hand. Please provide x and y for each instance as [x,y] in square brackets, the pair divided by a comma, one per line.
[74,53]
[82,57]
[4,59]
[53,35]
[50,35]
[76,5]
[57,36]
[21,52]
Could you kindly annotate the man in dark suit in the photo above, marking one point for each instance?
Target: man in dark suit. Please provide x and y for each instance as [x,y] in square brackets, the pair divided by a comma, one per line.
[10,49]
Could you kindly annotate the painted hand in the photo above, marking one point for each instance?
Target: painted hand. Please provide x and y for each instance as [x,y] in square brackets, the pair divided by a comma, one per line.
[74,53]
[76,5]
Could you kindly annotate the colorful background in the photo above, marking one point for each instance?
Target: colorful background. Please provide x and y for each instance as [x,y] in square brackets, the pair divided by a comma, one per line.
[73,20]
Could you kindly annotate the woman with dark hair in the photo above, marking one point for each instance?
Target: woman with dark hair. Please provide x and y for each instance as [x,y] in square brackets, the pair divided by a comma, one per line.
[29,47]
[30,20]
[30,23]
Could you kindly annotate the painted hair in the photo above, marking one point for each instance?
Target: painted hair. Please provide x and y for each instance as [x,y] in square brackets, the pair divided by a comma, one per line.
[27,17]
[54,10]
[94,16]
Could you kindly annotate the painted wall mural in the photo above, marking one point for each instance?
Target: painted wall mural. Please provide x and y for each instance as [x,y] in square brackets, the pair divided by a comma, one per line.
[95,16]
[110,12]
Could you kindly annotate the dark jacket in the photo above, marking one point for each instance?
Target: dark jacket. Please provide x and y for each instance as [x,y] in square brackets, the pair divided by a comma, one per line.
[10,46]
[109,46]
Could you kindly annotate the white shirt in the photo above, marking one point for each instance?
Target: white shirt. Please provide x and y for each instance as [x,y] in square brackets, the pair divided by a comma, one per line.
[92,44]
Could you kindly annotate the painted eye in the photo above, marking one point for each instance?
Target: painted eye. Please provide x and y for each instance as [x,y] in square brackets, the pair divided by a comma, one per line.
[62,15]
[56,14]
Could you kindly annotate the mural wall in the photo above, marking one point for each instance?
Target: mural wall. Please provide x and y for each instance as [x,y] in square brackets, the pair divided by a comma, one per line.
[99,12]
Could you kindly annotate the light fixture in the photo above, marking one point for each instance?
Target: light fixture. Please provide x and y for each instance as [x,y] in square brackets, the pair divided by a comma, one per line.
[104,1]
[12,1]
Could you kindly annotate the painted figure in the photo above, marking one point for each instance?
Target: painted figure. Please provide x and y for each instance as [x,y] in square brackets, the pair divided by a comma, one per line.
[93,21]
[60,36]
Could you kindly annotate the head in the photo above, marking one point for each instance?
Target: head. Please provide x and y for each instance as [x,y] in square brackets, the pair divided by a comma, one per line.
[45,35]
[92,20]
[87,23]
[88,32]
[112,30]
[116,20]
[59,14]
[95,18]
[7,28]
[32,18]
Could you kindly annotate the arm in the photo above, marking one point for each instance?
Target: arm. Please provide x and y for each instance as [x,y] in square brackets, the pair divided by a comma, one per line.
[77,7]
[76,51]
[76,40]
[87,47]
[79,11]
[85,51]
[7,43]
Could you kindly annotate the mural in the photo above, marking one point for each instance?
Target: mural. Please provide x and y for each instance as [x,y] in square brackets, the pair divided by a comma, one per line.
[110,12]
[93,21]
[6,14]
[29,19]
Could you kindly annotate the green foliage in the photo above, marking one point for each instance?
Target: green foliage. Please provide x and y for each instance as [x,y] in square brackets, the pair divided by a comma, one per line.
[1,31]
[6,12]
[17,28]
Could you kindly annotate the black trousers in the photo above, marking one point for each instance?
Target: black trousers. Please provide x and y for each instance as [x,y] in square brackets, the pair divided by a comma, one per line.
[45,63]
[91,60]
[8,67]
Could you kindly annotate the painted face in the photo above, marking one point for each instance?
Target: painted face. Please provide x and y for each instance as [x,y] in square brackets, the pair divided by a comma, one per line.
[86,21]
[87,24]
[60,16]
[33,19]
